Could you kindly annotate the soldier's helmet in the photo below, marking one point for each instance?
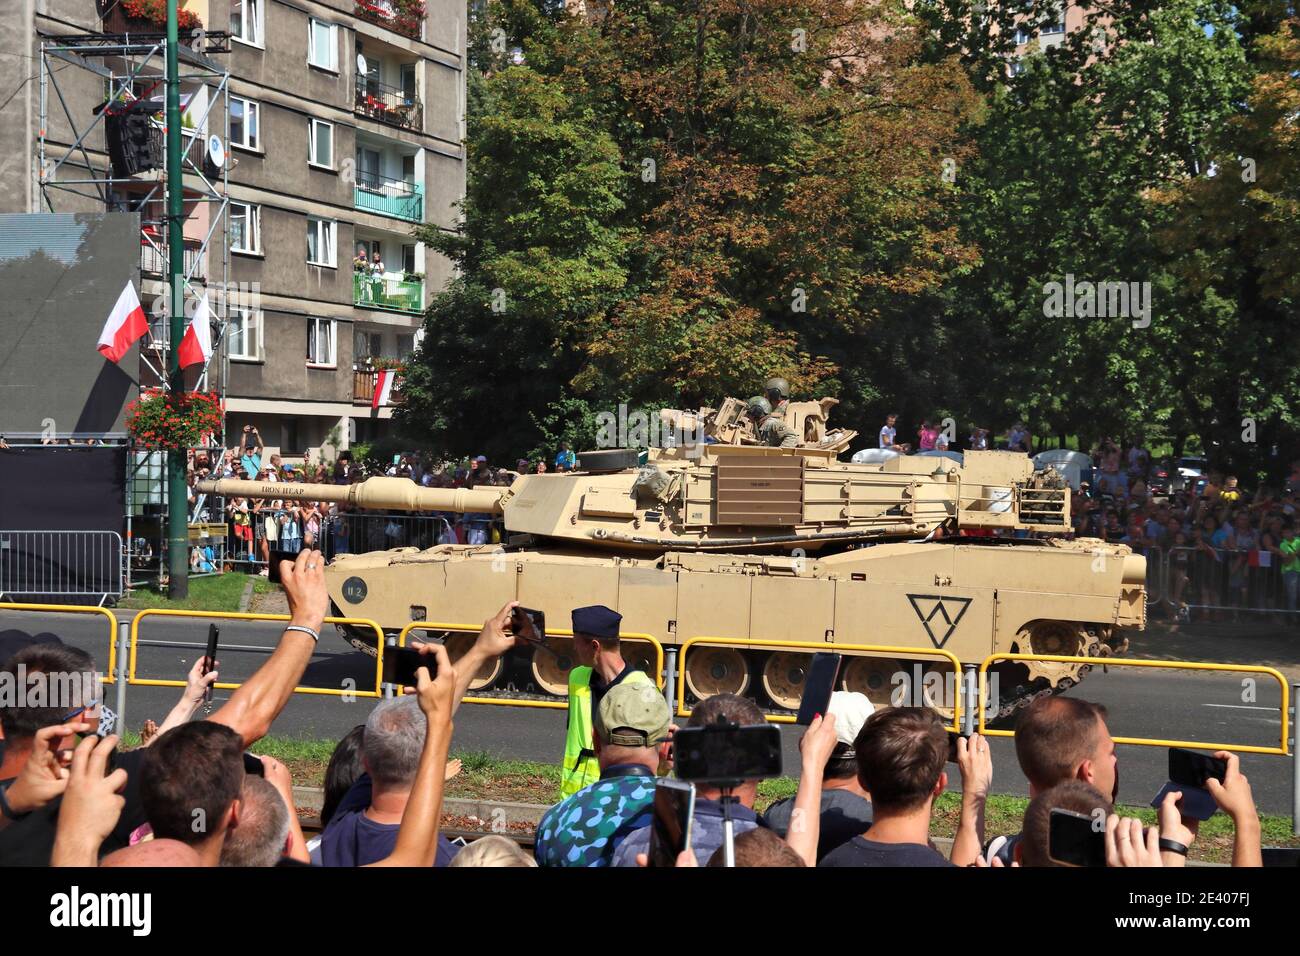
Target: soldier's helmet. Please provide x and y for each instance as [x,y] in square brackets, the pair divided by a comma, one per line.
[758,407]
[778,387]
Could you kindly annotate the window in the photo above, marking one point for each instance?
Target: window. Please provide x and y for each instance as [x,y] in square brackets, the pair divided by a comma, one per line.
[408,257]
[367,345]
[244,334]
[320,143]
[407,71]
[322,45]
[320,341]
[245,128]
[368,165]
[245,228]
[246,21]
[320,241]
[405,345]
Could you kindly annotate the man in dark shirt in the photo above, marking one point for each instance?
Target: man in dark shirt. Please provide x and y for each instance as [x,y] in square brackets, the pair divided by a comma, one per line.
[845,805]
[901,755]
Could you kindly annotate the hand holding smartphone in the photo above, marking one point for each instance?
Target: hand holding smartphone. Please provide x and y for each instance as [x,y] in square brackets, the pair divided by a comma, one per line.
[528,624]
[823,671]
[401,663]
[210,656]
[670,828]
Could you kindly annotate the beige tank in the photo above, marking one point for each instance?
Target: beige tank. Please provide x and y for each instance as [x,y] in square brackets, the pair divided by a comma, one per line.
[739,541]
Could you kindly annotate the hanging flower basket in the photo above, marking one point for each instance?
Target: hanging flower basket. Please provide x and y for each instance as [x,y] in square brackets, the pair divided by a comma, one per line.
[171,421]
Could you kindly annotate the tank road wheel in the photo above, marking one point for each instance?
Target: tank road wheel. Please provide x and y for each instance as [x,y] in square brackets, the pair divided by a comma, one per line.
[1063,638]
[641,656]
[457,645]
[872,676]
[784,675]
[716,670]
[551,665]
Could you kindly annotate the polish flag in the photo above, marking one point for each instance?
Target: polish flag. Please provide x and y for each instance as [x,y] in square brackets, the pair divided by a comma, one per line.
[384,388]
[126,325]
[196,346]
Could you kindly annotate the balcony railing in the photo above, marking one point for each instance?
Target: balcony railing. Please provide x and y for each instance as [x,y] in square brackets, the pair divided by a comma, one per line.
[388,104]
[389,197]
[383,292]
[154,262]
[364,379]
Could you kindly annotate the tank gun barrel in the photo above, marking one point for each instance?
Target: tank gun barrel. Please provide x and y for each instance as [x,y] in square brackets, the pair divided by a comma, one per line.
[396,494]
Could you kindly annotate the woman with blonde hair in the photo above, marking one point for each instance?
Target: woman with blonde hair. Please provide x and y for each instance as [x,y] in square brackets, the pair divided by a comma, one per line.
[492,851]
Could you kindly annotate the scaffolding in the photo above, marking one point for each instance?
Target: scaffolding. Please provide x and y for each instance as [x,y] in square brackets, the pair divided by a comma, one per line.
[73,172]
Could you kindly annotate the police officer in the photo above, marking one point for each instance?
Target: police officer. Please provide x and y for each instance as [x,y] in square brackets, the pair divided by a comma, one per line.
[770,428]
[600,667]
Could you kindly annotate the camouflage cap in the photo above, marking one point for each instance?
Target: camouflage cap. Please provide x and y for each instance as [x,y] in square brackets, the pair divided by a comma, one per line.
[632,715]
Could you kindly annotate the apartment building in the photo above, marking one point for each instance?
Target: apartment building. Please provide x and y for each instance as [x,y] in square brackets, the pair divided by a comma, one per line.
[346,130]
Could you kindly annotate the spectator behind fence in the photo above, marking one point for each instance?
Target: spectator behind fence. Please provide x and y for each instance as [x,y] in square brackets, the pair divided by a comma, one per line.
[588,828]
[901,755]
[845,805]
[707,828]
[1060,739]
[364,827]
[262,836]
[494,851]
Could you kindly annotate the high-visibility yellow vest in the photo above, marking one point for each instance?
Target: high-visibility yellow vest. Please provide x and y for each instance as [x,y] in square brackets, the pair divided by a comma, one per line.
[581,768]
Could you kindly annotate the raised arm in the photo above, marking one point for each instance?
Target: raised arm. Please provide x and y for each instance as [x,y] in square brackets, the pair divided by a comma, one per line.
[252,708]
[805,820]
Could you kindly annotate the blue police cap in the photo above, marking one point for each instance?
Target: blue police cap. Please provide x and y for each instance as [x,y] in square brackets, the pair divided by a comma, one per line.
[596,621]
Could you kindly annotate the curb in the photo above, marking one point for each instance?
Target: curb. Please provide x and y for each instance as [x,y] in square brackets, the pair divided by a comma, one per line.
[247,598]
[310,798]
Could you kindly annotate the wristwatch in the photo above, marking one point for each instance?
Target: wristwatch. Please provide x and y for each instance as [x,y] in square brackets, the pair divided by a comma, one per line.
[1173,846]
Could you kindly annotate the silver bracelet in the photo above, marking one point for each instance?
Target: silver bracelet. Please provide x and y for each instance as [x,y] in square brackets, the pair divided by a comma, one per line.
[315,635]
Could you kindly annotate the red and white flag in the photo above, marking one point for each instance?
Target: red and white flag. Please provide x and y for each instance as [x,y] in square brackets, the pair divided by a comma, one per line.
[384,388]
[196,346]
[126,325]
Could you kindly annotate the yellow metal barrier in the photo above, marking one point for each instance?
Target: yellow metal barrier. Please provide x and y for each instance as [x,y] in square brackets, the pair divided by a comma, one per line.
[556,632]
[811,646]
[1166,665]
[237,616]
[107,677]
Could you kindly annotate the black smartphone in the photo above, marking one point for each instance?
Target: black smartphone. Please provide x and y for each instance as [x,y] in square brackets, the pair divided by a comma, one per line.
[528,624]
[952,746]
[253,765]
[401,663]
[1076,839]
[1191,769]
[823,672]
[209,656]
[727,754]
[670,827]
[273,564]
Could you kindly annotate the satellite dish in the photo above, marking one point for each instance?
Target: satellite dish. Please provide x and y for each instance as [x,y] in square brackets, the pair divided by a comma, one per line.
[361,63]
[216,151]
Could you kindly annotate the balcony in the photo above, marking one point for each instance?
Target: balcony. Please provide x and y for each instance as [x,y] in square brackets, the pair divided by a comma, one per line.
[388,104]
[401,16]
[154,264]
[364,379]
[387,292]
[389,197]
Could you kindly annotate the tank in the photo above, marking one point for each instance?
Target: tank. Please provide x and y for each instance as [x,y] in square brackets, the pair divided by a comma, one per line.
[729,539]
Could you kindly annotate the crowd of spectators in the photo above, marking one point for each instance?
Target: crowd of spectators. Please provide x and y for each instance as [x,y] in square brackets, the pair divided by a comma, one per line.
[869,779]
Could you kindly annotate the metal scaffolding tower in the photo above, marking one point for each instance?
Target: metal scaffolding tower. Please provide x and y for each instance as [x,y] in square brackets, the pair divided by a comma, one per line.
[77,173]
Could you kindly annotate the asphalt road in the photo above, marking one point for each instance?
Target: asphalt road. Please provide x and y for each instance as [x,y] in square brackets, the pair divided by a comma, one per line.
[1184,705]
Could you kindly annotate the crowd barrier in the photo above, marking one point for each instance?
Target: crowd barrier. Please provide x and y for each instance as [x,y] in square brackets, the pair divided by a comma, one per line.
[62,563]
[557,704]
[1221,580]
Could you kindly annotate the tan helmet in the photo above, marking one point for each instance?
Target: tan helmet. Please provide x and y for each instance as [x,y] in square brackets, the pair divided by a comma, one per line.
[778,385]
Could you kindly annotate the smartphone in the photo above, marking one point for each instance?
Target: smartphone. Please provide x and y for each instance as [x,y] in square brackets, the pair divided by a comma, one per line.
[823,671]
[253,765]
[528,624]
[727,755]
[1076,839]
[401,663]
[952,746]
[209,656]
[273,564]
[1191,769]
[670,827]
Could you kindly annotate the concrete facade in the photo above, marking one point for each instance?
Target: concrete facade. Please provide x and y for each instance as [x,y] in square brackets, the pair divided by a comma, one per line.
[397,160]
